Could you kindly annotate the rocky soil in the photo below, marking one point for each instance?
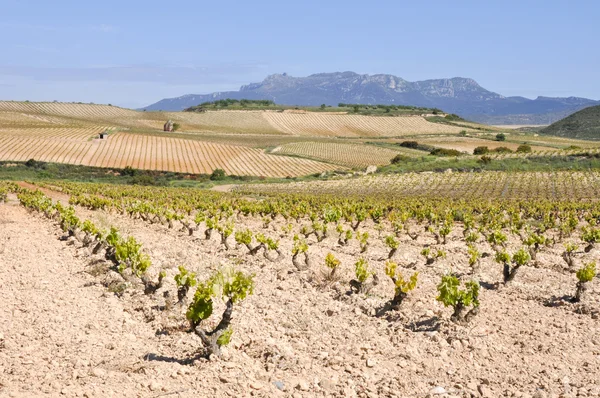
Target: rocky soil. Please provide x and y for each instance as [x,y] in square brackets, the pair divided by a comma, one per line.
[64,333]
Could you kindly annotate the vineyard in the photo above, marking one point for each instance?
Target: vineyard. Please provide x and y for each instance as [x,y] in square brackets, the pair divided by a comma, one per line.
[223,122]
[320,124]
[412,285]
[485,185]
[350,155]
[234,141]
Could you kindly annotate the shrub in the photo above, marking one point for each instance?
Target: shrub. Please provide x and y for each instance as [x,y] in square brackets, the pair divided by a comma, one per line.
[473,256]
[401,286]
[362,273]
[392,243]
[228,285]
[32,163]
[481,150]
[184,280]
[144,179]
[591,236]
[524,149]
[520,258]
[410,144]
[300,247]
[500,137]
[502,149]
[485,160]
[460,300]
[218,175]
[400,159]
[129,171]
[584,275]
[332,263]
[430,257]
[567,255]
[363,239]
[445,152]
[176,126]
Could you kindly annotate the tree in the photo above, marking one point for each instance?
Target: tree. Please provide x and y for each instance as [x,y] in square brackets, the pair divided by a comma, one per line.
[129,171]
[323,106]
[218,175]
[500,137]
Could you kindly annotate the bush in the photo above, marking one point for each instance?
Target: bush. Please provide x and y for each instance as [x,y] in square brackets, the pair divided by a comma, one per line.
[399,159]
[410,144]
[143,180]
[230,286]
[502,149]
[129,171]
[32,163]
[460,300]
[176,126]
[218,175]
[445,152]
[485,160]
[500,137]
[401,286]
[584,275]
[481,150]
[524,149]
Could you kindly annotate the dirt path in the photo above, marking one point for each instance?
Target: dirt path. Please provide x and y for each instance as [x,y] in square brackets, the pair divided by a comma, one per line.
[224,188]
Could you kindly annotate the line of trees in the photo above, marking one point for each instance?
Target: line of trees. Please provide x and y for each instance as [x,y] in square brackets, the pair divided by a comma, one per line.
[380,106]
[243,102]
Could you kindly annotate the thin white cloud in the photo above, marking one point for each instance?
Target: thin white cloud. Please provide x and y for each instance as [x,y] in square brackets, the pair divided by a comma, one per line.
[171,75]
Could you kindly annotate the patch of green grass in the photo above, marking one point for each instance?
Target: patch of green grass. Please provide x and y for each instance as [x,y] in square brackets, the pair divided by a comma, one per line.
[582,161]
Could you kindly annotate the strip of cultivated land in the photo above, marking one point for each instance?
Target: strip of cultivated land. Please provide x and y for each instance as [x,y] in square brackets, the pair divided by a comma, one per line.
[485,185]
[247,143]
[350,155]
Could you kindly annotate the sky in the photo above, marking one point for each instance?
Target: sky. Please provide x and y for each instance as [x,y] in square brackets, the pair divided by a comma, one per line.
[133,53]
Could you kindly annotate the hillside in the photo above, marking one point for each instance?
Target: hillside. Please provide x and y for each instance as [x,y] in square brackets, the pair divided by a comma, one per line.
[584,124]
[462,96]
[259,143]
[234,141]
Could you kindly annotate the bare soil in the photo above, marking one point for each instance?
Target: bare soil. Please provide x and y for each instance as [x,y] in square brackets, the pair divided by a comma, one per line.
[63,333]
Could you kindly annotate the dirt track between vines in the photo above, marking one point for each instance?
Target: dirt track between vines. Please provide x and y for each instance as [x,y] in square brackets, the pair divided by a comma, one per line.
[63,334]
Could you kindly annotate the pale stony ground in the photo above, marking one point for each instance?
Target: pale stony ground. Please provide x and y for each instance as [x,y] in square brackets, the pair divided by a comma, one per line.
[62,333]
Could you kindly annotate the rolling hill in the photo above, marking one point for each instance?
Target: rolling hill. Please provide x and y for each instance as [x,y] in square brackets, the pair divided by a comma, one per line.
[458,95]
[584,124]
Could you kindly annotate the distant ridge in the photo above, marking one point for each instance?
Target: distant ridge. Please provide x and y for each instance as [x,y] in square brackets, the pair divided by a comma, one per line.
[584,124]
[459,95]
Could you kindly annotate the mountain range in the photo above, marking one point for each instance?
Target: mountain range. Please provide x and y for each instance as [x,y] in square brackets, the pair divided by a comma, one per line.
[462,96]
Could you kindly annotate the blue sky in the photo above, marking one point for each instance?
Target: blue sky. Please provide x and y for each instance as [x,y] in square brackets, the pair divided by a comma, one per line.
[133,53]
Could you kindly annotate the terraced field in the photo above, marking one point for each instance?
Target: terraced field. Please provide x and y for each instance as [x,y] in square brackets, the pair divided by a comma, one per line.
[322,124]
[350,155]
[304,142]
[60,145]
[191,156]
[77,146]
